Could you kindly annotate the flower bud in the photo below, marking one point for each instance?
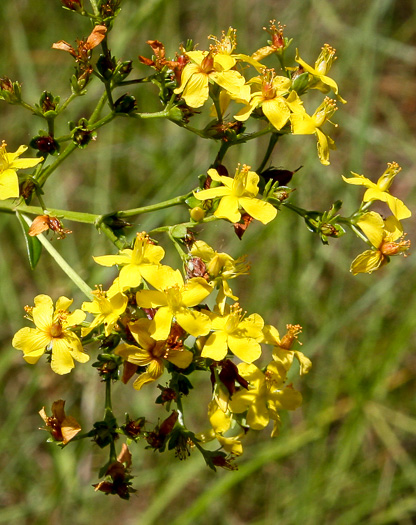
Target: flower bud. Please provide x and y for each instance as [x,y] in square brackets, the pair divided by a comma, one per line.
[125,104]
[45,144]
[197,213]
[10,91]
[73,5]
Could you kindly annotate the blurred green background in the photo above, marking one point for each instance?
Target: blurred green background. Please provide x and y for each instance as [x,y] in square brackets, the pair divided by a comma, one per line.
[348,455]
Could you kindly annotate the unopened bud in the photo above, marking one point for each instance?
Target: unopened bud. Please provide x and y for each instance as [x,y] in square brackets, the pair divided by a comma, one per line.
[197,213]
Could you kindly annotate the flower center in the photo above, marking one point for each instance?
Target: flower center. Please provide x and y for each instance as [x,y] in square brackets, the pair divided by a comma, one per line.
[174,297]
[207,65]
[56,330]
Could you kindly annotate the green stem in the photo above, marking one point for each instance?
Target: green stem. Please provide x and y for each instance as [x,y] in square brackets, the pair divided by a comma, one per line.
[359,234]
[154,207]
[95,7]
[192,224]
[105,120]
[91,218]
[87,218]
[52,167]
[179,406]
[274,137]
[135,81]
[300,211]
[98,108]
[158,114]
[178,247]
[28,106]
[221,154]
[108,403]
[71,273]
[117,241]
[251,136]
[65,104]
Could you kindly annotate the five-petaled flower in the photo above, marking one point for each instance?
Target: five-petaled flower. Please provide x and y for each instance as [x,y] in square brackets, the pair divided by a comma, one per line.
[220,267]
[236,332]
[266,395]
[380,191]
[9,164]
[268,93]
[238,193]
[221,422]
[107,309]
[383,235]
[174,300]
[53,332]
[151,353]
[206,67]
[141,262]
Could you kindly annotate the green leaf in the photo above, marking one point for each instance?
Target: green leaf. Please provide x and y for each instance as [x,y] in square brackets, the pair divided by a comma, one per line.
[34,247]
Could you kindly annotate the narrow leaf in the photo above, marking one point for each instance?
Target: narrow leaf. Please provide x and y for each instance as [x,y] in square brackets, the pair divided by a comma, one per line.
[33,245]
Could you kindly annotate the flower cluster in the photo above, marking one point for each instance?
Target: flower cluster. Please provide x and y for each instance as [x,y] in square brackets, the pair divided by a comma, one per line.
[155,326]
[152,319]
[220,73]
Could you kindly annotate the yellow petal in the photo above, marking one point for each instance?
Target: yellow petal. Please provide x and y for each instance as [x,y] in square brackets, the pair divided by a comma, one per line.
[32,342]
[194,322]
[228,209]
[150,298]
[196,90]
[367,262]
[397,207]
[245,348]
[261,210]
[43,312]
[277,112]
[9,184]
[62,362]
[212,193]
[180,358]
[196,290]
[160,326]
[216,346]
[372,224]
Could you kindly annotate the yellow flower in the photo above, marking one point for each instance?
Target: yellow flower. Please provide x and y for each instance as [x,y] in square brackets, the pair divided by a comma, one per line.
[268,93]
[322,65]
[53,332]
[220,267]
[235,332]
[206,67]
[107,309]
[282,351]
[236,193]
[174,298]
[9,163]
[380,191]
[382,234]
[221,422]
[266,395]
[151,353]
[142,262]
[304,124]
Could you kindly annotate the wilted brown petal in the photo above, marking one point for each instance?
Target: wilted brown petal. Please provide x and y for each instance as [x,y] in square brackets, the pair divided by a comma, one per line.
[125,455]
[96,37]
[64,46]
[69,429]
